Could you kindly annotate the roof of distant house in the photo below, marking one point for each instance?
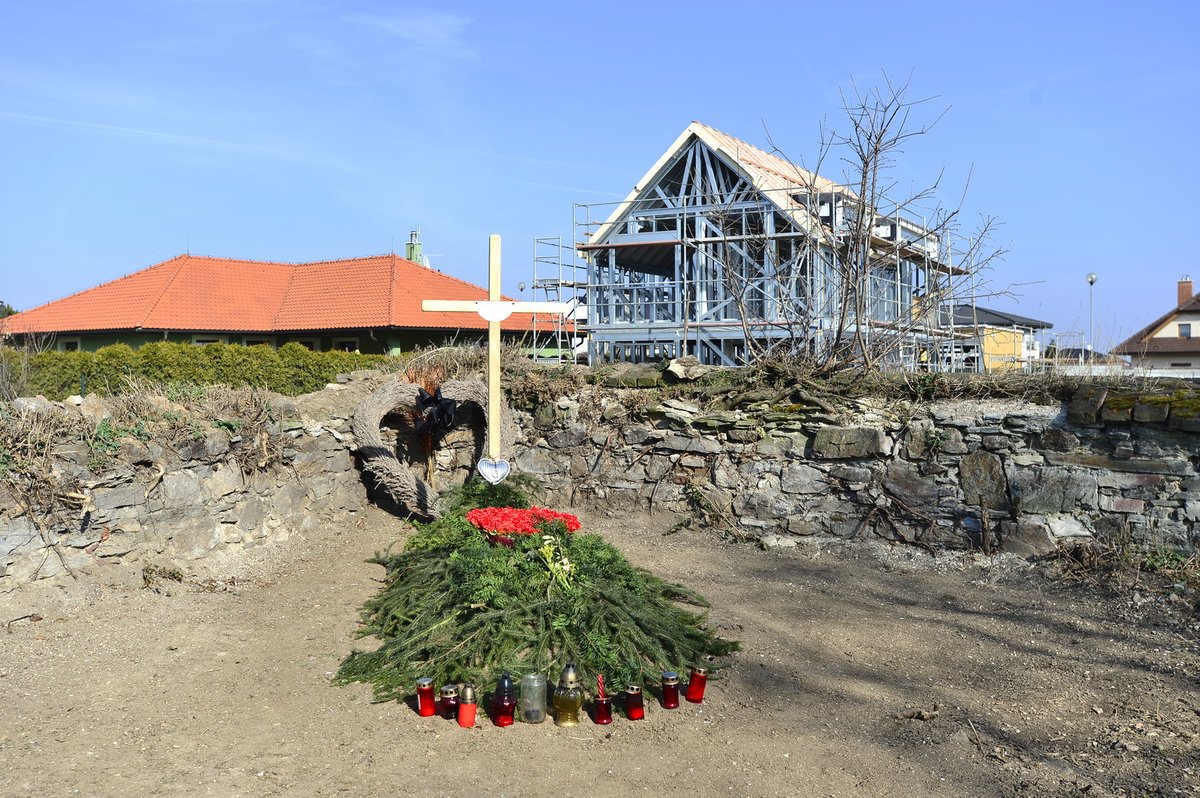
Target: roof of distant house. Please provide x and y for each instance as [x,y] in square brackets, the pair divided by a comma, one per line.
[1068,354]
[1142,342]
[973,315]
[786,184]
[191,292]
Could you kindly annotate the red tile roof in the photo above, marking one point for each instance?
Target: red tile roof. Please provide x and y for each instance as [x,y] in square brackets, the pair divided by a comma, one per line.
[1143,341]
[196,293]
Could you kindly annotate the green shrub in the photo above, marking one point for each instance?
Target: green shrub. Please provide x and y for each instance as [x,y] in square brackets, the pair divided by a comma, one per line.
[289,370]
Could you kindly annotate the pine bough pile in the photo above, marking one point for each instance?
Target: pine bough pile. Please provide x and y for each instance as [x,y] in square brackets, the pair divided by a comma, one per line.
[519,590]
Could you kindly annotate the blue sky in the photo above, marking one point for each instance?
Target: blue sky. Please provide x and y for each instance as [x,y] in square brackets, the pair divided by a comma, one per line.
[295,130]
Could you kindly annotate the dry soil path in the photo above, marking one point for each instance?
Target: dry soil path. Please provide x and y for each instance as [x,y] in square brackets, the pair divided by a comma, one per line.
[214,689]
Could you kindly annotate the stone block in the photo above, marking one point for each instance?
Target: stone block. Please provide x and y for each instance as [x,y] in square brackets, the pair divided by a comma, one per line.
[1116,415]
[1144,466]
[635,436]
[1119,504]
[983,481]
[841,443]
[1151,412]
[800,478]
[567,438]
[1030,537]
[1058,440]
[1107,479]
[1084,407]
[121,496]
[537,461]
[904,481]
[680,443]
[744,434]
[226,479]
[1054,490]
[950,441]
[850,473]
[1068,526]
[181,488]
[917,439]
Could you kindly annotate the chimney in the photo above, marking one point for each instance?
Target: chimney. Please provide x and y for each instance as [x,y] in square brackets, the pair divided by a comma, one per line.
[1185,291]
[412,250]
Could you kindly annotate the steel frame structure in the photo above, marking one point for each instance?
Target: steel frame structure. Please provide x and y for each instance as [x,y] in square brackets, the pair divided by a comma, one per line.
[704,256]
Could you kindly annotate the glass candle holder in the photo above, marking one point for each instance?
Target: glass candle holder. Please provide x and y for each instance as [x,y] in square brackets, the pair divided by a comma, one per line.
[602,711]
[635,707]
[504,701]
[449,702]
[531,707]
[695,686]
[426,699]
[670,690]
[468,705]
[568,697]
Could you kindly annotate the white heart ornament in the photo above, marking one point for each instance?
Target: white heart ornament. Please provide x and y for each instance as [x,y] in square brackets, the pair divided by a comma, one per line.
[494,471]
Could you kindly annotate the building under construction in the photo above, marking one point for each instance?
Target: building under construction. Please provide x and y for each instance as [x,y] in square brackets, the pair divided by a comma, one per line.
[724,251]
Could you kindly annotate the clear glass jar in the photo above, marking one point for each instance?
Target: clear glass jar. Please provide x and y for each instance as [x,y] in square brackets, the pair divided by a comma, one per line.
[531,707]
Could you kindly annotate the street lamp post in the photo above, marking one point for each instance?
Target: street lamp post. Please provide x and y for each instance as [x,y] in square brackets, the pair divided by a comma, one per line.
[1091,278]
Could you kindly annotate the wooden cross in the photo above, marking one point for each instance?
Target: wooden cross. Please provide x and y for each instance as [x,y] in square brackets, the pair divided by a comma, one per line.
[494,310]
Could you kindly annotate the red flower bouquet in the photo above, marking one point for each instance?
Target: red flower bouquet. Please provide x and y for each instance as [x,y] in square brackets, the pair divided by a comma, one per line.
[518,521]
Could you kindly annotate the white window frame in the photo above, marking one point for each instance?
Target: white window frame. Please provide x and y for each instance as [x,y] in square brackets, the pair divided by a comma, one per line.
[313,344]
[258,340]
[204,339]
[61,344]
[347,339]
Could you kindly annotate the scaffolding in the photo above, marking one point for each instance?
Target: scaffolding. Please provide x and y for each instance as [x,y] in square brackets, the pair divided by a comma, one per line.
[705,260]
[558,276]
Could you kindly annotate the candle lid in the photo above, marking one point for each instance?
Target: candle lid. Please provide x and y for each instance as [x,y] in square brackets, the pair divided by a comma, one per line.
[449,691]
[468,694]
[699,671]
[570,676]
[425,681]
[632,689]
[504,687]
[670,677]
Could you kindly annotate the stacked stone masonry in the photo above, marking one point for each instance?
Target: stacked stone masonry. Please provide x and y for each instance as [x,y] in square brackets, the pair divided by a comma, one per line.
[1014,478]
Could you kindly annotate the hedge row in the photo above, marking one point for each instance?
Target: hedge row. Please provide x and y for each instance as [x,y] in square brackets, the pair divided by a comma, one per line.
[291,369]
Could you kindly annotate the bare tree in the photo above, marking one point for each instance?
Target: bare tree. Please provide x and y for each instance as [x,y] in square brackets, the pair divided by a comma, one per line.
[862,283]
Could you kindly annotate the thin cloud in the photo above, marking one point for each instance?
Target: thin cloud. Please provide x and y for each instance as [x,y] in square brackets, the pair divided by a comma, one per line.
[175,138]
[434,31]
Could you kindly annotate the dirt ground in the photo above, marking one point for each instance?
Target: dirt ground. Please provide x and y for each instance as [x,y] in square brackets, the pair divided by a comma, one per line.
[221,687]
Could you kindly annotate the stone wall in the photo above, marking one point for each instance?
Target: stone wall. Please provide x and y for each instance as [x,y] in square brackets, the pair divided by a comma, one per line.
[183,503]
[1017,478]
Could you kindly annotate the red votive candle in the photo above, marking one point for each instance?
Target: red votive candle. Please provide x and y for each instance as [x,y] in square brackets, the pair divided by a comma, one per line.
[467,705]
[602,711]
[695,686]
[504,701]
[670,690]
[449,702]
[426,701]
[635,709]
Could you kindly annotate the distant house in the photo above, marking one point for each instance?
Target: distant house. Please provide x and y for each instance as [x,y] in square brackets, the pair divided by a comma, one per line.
[722,247]
[371,305]
[992,340]
[1172,341]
